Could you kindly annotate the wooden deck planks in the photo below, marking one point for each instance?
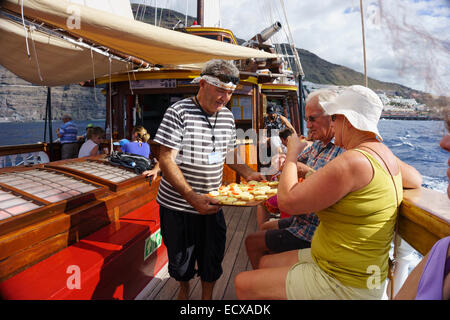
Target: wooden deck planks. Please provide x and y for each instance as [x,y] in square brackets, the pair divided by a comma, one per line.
[242,262]
[240,222]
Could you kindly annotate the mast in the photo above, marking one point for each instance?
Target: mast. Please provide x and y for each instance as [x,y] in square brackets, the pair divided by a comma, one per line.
[200,12]
[48,119]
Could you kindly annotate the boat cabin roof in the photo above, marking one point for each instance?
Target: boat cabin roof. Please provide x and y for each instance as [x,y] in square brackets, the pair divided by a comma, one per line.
[219,34]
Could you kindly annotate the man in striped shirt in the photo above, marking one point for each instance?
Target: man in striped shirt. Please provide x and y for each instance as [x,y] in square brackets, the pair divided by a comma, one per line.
[196,136]
[296,232]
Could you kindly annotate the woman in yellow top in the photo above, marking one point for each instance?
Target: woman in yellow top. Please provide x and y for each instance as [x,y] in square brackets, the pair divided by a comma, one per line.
[356,197]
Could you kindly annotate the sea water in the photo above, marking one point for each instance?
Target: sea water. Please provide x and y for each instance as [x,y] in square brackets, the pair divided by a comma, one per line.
[417,143]
[13,133]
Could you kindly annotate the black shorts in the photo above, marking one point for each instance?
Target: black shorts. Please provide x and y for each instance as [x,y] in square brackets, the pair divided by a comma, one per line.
[280,240]
[193,238]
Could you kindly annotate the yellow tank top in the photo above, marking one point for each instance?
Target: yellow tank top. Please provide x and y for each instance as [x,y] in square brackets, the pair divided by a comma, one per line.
[354,236]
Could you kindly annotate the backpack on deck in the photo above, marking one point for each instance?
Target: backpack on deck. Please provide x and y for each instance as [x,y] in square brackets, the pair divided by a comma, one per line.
[132,161]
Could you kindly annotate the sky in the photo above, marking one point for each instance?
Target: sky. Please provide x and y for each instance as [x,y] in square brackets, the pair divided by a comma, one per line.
[407,41]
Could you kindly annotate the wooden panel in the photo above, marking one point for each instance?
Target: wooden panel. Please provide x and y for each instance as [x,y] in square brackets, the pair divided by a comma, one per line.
[248,153]
[109,259]
[51,206]
[416,235]
[31,256]
[23,148]
[424,218]
[21,248]
[25,237]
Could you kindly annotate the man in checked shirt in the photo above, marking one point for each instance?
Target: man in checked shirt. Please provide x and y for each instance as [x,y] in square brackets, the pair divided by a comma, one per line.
[296,232]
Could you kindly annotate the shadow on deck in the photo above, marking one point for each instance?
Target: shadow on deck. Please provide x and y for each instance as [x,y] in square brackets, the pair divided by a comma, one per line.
[240,222]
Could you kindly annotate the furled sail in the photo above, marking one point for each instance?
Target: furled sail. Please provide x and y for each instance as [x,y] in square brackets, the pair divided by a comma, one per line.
[53,61]
[121,34]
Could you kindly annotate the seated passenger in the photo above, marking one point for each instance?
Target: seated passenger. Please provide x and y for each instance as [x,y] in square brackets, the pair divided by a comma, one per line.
[430,279]
[273,123]
[356,197]
[296,232]
[138,144]
[91,146]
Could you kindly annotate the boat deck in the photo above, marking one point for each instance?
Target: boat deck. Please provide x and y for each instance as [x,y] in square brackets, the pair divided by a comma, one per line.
[240,222]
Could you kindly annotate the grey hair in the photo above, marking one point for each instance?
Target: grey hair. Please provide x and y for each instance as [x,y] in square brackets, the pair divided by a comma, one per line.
[66,116]
[217,67]
[324,95]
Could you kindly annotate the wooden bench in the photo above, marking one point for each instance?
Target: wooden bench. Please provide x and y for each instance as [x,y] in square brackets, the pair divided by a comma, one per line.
[116,262]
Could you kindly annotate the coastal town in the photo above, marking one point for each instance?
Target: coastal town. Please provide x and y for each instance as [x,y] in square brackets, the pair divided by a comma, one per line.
[395,106]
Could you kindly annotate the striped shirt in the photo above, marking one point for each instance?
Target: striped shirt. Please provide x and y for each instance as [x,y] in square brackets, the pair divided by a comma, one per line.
[68,132]
[184,128]
[316,156]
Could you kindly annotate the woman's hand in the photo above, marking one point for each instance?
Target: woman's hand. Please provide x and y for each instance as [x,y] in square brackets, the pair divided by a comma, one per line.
[295,145]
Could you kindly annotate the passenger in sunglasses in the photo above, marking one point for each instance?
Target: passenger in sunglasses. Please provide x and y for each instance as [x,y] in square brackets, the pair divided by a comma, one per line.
[296,232]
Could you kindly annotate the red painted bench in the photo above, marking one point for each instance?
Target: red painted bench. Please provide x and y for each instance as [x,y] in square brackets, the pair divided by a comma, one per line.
[112,263]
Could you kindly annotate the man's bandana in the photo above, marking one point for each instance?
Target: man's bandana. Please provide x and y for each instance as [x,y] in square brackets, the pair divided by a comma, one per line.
[215,82]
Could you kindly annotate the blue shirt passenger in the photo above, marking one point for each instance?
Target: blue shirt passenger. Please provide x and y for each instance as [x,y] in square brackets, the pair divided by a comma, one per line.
[68,132]
[135,147]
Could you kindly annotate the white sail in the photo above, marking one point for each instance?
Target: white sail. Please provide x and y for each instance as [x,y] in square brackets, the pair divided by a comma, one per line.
[120,34]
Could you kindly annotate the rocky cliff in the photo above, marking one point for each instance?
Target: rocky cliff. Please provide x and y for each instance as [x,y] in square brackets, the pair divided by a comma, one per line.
[22,101]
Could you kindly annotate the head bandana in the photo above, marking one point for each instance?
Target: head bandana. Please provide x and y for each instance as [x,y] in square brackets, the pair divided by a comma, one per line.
[215,82]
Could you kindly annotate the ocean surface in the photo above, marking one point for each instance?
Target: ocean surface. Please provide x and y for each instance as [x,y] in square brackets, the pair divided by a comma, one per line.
[415,142]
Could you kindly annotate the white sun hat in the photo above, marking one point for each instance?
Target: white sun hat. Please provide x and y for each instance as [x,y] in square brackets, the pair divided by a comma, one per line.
[360,105]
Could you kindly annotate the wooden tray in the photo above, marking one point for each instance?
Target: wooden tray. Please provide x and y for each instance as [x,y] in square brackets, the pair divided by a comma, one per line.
[251,203]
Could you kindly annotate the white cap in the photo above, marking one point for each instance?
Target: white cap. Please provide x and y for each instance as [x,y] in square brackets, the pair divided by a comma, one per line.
[360,105]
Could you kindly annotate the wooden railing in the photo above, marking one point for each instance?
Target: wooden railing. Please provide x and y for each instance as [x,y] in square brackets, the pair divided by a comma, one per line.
[25,154]
[424,218]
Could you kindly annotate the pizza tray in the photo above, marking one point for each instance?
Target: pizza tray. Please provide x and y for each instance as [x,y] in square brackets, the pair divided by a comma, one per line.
[250,203]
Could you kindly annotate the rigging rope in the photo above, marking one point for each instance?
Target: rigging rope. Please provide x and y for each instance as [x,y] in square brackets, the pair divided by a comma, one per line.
[25,28]
[35,53]
[93,74]
[364,42]
[291,42]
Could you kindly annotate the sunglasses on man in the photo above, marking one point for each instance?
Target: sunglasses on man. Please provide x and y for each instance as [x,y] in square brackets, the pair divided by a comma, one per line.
[224,78]
[314,118]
